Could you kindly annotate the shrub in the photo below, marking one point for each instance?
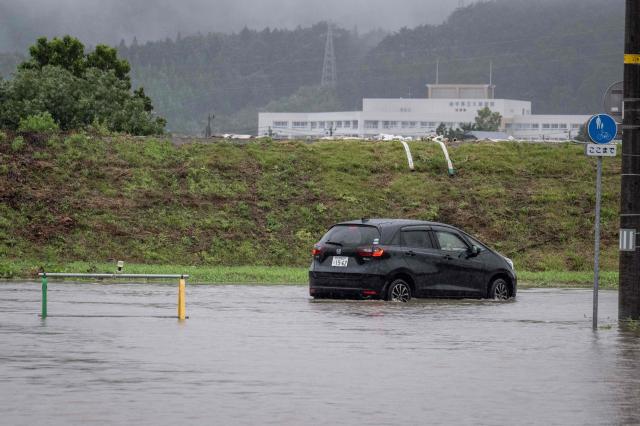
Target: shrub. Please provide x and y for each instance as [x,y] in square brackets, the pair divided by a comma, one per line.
[38,123]
[99,127]
[3,136]
[17,144]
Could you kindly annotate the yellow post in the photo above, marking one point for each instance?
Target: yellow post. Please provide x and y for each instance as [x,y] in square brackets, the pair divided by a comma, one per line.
[181,300]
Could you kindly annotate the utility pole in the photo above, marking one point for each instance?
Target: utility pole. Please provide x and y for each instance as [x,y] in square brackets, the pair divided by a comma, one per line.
[207,131]
[629,294]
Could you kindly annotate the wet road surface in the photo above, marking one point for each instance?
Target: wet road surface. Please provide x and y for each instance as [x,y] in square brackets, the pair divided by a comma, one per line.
[270,355]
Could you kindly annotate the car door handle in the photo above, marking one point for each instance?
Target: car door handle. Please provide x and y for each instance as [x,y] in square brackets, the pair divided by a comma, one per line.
[410,253]
[447,257]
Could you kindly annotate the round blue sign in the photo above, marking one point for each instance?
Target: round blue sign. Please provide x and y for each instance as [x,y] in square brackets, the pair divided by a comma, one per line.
[602,128]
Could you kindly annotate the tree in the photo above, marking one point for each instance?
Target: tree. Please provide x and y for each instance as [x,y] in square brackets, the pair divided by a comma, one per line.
[76,90]
[441,129]
[307,99]
[456,133]
[105,58]
[582,134]
[50,89]
[488,121]
[67,53]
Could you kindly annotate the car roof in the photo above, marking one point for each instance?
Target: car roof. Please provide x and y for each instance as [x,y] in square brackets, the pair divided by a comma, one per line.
[383,223]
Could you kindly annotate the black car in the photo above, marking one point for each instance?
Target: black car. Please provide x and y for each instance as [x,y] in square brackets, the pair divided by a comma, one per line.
[396,260]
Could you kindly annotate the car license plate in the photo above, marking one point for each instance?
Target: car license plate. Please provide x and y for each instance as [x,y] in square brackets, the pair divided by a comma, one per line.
[340,261]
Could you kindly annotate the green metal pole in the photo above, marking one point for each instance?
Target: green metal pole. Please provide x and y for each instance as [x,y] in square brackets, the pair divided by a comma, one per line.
[44,296]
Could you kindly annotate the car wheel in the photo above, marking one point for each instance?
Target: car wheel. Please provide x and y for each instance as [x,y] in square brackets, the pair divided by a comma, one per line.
[499,290]
[399,291]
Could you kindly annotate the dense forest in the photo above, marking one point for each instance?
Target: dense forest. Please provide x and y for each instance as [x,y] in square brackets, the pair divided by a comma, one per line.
[560,54]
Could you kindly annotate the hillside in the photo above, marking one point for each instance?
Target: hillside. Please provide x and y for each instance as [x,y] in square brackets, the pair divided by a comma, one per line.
[80,198]
[560,54]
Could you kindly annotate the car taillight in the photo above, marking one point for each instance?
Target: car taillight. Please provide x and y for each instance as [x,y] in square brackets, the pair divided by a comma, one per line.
[370,251]
[316,250]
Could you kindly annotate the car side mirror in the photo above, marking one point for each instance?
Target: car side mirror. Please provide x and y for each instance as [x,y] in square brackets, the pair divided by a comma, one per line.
[474,251]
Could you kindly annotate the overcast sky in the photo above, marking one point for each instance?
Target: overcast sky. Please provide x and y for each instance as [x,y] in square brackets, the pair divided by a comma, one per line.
[112,20]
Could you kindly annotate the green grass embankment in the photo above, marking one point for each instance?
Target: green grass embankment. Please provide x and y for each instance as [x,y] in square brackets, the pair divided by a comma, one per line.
[264,204]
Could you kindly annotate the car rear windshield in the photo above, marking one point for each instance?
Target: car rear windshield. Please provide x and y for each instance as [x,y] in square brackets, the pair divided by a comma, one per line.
[352,236]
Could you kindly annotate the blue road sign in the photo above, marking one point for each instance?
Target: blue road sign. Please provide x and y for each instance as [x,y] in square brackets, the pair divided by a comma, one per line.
[602,128]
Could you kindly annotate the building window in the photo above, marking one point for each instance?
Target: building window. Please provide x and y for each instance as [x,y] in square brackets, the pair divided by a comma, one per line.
[314,124]
[280,124]
[535,126]
[575,126]
[347,124]
[300,124]
[563,126]
[554,125]
[370,124]
[354,124]
[546,125]
[329,125]
[450,104]
[338,124]
[389,124]
[492,104]
[405,109]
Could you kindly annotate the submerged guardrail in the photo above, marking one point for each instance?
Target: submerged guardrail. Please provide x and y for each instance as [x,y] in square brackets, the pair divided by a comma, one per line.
[182,283]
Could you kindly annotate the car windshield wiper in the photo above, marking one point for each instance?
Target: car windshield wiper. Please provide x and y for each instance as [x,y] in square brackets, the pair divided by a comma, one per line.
[333,243]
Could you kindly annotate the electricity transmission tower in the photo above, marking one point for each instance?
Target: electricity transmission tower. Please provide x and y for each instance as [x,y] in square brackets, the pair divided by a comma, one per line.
[329,77]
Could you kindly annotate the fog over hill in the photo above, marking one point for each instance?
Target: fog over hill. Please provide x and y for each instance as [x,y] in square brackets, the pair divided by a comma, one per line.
[559,54]
[110,21]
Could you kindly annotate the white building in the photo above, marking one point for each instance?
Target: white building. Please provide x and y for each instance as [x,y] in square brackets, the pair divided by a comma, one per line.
[453,105]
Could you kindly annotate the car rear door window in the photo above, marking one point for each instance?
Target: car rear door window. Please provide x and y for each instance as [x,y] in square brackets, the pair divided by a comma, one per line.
[416,239]
[352,236]
[450,242]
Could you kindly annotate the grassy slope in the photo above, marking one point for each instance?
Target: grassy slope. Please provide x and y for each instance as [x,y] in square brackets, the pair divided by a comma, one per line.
[265,204]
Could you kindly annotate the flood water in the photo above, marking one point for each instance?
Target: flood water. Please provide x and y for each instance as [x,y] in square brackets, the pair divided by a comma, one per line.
[270,355]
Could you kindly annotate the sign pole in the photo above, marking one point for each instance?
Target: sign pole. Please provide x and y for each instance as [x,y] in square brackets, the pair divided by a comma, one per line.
[602,129]
[596,267]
